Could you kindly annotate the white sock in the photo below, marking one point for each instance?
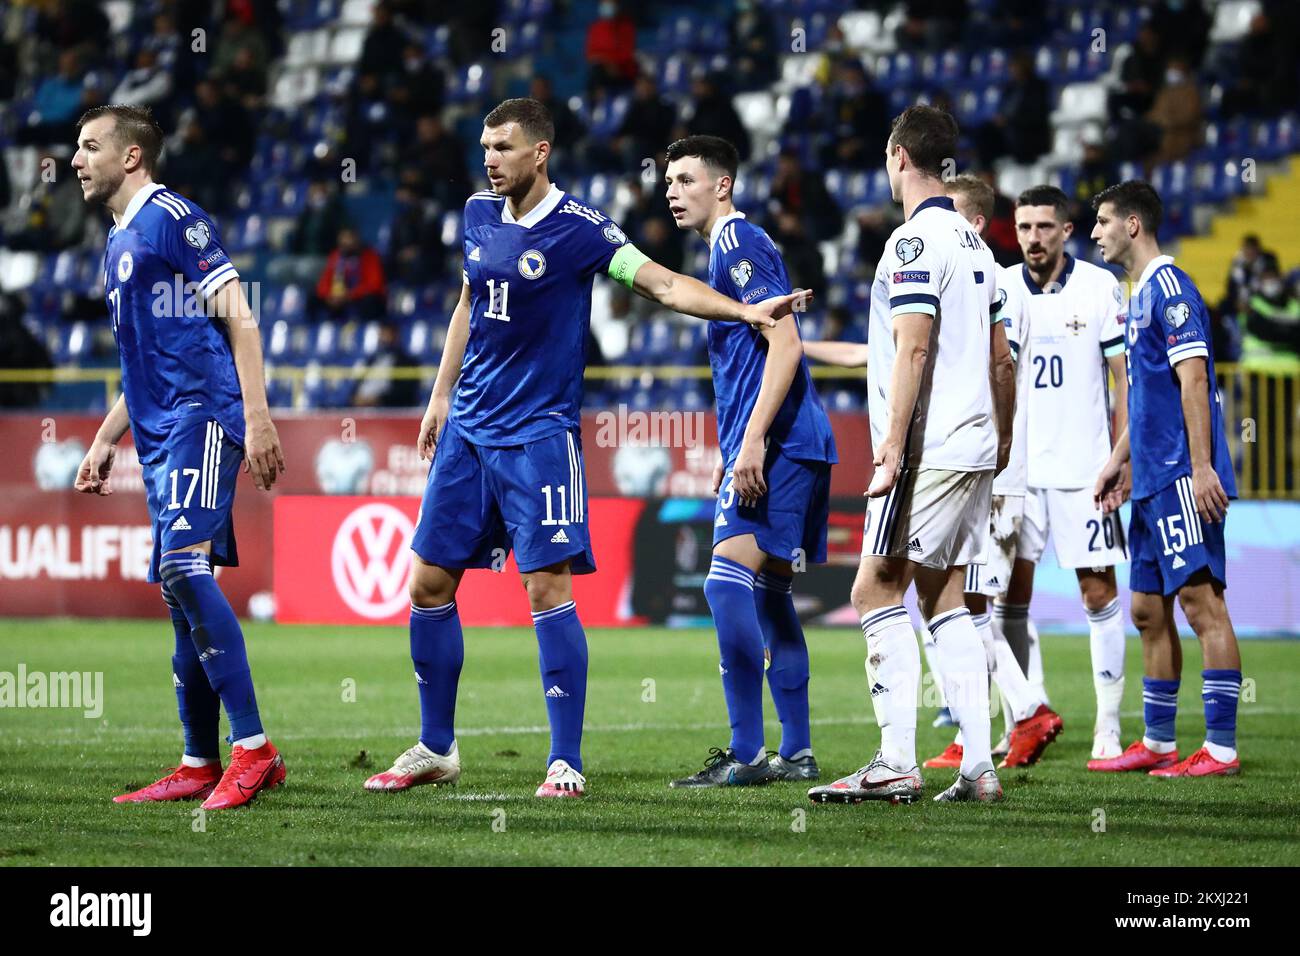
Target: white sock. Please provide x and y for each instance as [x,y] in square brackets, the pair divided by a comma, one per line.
[893,674]
[1106,639]
[984,628]
[1022,698]
[1159,746]
[966,683]
[1008,718]
[188,761]
[251,743]
[1035,670]
[1221,753]
[927,644]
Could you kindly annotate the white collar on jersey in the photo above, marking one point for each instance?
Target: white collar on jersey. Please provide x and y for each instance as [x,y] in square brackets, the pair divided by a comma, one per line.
[538,212]
[718,224]
[137,202]
[1150,270]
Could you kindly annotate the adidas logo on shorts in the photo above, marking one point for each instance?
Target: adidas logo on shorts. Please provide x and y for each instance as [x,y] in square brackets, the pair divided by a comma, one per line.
[914,546]
[1179,562]
[180,524]
[560,537]
[721,522]
[556,692]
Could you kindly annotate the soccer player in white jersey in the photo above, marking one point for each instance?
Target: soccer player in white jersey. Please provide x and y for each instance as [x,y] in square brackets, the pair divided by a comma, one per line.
[1031,723]
[936,449]
[1076,321]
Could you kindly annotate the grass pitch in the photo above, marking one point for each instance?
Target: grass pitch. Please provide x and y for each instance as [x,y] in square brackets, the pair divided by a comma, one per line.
[340,703]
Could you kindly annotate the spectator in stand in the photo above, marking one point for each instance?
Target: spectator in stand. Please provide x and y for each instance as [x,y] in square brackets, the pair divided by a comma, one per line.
[1270,328]
[1248,265]
[803,259]
[384,48]
[229,128]
[1177,112]
[1187,25]
[351,286]
[55,216]
[569,130]
[190,161]
[73,26]
[379,389]
[367,123]
[1260,84]
[754,48]
[418,89]
[1022,129]
[647,126]
[239,33]
[19,348]
[874,228]
[59,100]
[318,225]
[1096,172]
[1140,76]
[931,24]
[149,84]
[715,115]
[856,116]
[611,48]
[416,239]
[471,26]
[438,154]
[802,194]
[244,81]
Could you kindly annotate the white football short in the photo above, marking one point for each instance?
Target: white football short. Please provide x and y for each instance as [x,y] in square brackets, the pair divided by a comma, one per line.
[936,518]
[1081,535]
[993,578]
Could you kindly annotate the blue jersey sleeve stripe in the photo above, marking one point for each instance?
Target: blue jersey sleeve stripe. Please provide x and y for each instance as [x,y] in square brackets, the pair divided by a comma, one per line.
[913,297]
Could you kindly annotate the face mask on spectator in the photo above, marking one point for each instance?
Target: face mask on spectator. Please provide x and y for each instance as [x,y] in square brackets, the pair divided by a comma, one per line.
[1174,77]
[1271,288]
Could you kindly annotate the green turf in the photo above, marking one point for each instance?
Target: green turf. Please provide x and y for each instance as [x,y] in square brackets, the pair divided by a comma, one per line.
[58,769]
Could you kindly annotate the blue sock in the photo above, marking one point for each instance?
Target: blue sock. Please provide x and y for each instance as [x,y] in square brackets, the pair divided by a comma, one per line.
[197,702]
[729,589]
[214,629]
[1160,705]
[562,656]
[438,652]
[1220,690]
[787,674]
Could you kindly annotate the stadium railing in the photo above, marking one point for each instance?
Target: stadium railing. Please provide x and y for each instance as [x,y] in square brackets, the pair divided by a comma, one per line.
[1260,408]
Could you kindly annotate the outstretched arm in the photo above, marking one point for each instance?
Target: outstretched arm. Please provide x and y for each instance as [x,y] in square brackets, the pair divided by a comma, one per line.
[693,297]
[841,354]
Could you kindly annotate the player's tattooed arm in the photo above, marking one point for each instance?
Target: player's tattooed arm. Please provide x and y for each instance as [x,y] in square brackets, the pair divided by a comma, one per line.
[841,354]
[1002,381]
[92,476]
[453,356]
[693,297]
[1193,382]
[912,342]
[262,454]
[784,353]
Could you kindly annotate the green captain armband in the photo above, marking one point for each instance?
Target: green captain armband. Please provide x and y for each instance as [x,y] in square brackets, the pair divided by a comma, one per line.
[627,260]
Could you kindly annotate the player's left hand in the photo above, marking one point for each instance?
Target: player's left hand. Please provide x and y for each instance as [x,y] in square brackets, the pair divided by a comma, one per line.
[262,454]
[1211,499]
[887,462]
[1112,487]
[747,473]
[1004,458]
[764,315]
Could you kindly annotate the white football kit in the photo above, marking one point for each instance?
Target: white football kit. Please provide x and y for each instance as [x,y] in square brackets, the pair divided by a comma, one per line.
[1074,326]
[938,511]
[993,577]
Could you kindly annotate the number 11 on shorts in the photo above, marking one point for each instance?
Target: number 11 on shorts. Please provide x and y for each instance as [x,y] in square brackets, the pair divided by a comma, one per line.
[564,513]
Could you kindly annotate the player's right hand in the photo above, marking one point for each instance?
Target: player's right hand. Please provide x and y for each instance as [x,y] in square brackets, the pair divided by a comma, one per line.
[431,426]
[719,472]
[1211,499]
[1108,493]
[886,473]
[92,475]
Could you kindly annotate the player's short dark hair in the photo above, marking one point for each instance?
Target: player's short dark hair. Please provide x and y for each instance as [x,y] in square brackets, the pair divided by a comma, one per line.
[135,126]
[1046,196]
[977,192]
[532,116]
[1134,198]
[929,135]
[713,151]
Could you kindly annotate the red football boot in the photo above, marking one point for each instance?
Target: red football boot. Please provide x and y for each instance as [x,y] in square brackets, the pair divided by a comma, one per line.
[250,772]
[181,783]
[1200,764]
[1137,757]
[1031,736]
[951,757]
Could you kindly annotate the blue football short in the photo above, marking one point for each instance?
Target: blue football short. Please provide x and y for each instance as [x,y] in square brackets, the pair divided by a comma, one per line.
[790,520]
[191,491]
[481,502]
[1169,542]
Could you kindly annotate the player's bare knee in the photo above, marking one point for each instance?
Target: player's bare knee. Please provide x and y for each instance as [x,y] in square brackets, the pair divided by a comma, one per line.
[431,586]
[1148,617]
[548,588]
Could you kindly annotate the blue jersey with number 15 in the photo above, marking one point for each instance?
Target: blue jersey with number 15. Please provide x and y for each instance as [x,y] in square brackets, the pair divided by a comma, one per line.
[162,263]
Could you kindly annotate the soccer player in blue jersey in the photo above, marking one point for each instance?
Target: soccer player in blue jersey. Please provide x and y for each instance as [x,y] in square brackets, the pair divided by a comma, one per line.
[1182,482]
[772,482]
[506,448]
[194,398]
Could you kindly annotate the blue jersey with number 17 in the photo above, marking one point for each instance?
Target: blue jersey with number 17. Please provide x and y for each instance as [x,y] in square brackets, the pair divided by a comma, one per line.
[1168,323]
[164,259]
[530,307]
[745,265]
